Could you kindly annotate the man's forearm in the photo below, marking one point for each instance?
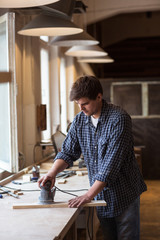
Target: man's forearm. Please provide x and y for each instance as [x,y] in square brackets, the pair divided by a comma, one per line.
[96,188]
[58,166]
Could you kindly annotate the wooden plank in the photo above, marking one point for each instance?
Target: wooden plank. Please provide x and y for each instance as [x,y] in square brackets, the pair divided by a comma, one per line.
[48,166]
[93,203]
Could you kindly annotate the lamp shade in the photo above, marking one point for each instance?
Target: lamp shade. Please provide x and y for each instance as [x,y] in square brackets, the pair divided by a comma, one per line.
[86,51]
[50,25]
[81,39]
[24,3]
[105,59]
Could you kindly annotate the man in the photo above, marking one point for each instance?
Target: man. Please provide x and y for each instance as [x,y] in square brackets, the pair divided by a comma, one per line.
[102,133]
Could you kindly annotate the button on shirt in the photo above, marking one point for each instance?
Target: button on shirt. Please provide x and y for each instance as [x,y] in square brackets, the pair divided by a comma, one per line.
[109,156]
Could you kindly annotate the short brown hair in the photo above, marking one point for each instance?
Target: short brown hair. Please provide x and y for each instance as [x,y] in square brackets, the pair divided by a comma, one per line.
[86,86]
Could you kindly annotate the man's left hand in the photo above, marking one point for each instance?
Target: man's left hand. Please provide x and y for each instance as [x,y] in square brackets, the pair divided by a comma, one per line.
[79,201]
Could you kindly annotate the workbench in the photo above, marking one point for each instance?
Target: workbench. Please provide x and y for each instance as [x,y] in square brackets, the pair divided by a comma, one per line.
[40,224]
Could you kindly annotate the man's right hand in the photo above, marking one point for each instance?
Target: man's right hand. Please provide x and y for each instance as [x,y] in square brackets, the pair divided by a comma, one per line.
[58,166]
[44,179]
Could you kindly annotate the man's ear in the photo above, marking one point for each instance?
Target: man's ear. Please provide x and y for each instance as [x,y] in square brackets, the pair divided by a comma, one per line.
[99,96]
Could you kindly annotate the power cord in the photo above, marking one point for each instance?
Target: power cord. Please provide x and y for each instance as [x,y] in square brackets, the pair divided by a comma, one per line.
[91,212]
[37,190]
[24,190]
[67,192]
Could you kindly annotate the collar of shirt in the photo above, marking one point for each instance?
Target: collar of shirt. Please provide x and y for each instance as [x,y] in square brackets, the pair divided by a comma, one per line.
[102,117]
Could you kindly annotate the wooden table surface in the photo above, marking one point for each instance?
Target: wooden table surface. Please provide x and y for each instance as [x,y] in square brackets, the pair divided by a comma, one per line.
[38,224]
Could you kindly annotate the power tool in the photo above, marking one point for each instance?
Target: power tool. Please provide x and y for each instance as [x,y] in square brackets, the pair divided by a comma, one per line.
[47,194]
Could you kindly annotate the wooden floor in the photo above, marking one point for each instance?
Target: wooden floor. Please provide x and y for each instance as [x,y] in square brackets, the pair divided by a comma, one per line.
[150,214]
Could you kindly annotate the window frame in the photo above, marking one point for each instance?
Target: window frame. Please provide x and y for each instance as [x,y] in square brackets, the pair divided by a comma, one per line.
[10,78]
[144,94]
[44,46]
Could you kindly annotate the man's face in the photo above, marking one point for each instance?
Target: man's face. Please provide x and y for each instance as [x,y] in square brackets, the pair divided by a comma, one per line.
[90,107]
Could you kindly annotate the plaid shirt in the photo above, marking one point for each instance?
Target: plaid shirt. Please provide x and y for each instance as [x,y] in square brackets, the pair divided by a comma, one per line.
[109,155]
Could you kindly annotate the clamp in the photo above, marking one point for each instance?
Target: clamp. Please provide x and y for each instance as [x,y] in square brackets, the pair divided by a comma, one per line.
[4,191]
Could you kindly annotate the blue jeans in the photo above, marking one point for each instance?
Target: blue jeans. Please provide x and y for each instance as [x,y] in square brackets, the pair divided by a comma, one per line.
[124,227]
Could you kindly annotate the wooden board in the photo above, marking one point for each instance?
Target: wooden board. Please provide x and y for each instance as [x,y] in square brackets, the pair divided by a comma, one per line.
[56,205]
[48,165]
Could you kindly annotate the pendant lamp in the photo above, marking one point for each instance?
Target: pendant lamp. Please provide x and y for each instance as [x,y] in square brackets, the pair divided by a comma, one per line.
[50,24]
[106,59]
[86,51]
[73,40]
[24,3]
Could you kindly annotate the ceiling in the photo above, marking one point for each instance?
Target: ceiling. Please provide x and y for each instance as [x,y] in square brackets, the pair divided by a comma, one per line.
[136,57]
[133,41]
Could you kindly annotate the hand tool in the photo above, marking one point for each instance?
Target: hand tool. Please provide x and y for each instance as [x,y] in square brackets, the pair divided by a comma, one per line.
[65,174]
[9,192]
[47,194]
[3,192]
[33,180]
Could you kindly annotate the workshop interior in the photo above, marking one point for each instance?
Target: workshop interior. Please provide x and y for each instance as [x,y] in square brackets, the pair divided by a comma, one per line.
[44,47]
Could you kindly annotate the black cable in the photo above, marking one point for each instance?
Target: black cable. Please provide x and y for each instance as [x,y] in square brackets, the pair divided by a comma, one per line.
[24,190]
[37,190]
[92,209]
[77,190]
[88,230]
[90,234]
[66,192]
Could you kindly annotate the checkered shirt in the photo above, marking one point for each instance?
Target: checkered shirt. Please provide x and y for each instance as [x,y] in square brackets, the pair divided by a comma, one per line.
[109,155]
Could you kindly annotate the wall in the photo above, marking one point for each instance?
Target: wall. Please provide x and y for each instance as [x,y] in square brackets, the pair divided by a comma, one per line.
[29,90]
[28,86]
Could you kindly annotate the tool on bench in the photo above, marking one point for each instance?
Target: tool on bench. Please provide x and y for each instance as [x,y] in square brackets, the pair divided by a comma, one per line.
[8,192]
[3,192]
[47,194]
[33,180]
[65,174]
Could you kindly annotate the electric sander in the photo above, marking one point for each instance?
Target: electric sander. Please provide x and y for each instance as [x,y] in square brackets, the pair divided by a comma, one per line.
[47,194]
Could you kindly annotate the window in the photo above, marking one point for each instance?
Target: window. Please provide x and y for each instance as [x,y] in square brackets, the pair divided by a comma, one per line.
[154,99]
[63,101]
[45,92]
[8,117]
[128,96]
[140,99]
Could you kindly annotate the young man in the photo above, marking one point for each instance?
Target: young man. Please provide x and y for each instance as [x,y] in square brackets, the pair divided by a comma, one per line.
[102,133]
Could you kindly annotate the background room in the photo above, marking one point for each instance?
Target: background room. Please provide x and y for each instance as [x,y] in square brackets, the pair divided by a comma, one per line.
[45,48]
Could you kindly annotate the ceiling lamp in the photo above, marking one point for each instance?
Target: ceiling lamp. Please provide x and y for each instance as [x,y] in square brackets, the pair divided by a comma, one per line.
[53,24]
[74,40]
[86,51]
[24,3]
[106,59]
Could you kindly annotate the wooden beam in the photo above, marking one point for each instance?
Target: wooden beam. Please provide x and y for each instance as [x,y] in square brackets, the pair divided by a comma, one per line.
[24,171]
[93,203]
[5,77]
